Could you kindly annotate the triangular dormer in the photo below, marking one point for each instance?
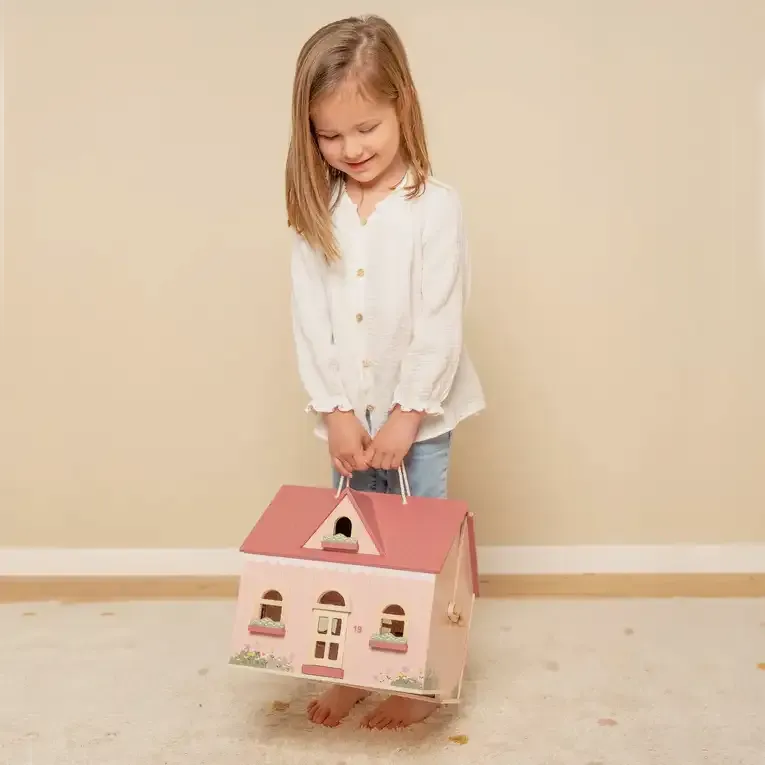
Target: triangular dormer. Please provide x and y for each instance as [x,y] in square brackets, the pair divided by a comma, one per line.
[347,529]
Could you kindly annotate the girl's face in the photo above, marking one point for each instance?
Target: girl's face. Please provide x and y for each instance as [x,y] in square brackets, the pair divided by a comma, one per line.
[357,136]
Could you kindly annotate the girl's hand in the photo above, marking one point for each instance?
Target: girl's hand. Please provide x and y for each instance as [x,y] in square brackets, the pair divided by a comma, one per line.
[347,441]
[394,440]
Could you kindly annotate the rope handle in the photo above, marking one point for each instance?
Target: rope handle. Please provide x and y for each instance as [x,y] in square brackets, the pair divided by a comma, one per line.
[403,482]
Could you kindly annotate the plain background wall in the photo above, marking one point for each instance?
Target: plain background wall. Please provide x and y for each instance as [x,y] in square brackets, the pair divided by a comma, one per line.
[611,160]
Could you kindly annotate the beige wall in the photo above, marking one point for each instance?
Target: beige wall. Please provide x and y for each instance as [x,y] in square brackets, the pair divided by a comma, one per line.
[611,159]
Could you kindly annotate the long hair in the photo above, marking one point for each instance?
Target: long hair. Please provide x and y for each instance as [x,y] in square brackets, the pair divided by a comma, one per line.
[368,49]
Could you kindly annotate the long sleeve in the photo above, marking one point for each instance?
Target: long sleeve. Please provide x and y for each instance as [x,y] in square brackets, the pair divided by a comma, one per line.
[430,364]
[316,358]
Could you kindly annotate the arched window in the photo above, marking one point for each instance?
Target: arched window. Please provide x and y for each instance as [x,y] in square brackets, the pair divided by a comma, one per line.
[392,633]
[332,598]
[341,539]
[344,527]
[393,622]
[268,617]
[271,606]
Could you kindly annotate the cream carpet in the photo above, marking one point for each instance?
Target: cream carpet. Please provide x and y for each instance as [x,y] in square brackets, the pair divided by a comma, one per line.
[670,682]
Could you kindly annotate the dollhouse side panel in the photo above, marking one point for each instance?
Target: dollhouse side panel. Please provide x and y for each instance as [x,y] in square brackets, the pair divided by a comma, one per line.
[449,641]
[339,622]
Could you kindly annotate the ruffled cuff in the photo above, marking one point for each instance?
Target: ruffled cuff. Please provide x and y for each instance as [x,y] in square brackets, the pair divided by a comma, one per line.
[430,407]
[325,406]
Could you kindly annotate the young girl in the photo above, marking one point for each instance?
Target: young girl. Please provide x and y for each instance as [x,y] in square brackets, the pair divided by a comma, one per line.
[380,278]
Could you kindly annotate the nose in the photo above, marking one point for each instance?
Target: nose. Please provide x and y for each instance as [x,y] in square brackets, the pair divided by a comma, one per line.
[353,150]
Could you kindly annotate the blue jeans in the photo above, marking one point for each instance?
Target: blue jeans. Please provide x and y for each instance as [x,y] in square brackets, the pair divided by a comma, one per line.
[427,467]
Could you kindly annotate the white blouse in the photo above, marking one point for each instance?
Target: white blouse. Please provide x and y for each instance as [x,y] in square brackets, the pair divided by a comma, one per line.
[383,325]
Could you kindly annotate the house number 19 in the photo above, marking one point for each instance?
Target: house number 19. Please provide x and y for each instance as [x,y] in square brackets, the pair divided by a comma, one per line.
[357,628]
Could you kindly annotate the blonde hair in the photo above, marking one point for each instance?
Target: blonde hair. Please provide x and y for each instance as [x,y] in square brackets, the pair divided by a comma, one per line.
[368,49]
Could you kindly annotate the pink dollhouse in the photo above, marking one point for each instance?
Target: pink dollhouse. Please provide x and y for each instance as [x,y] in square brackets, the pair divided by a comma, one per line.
[369,590]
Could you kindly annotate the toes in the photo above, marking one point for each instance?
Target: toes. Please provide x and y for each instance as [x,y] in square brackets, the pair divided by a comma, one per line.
[319,715]
[382,722]
[323,716]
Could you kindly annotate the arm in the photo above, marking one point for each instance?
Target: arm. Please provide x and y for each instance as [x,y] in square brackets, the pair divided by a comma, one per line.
[316,358]
[430,365]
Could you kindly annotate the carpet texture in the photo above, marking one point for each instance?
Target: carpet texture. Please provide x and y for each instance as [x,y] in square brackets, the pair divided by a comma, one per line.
[665,682]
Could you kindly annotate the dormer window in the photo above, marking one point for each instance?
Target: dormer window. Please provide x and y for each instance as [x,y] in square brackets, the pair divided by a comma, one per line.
[342,540]
[344,527]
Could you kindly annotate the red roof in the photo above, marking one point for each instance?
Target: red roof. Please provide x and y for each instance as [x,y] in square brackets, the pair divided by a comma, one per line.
[415,536]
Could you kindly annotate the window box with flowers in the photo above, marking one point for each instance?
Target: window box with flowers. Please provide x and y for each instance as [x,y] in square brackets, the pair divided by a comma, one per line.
[392,633]
[269,619]
[339,543]
[388,642]
[267,627]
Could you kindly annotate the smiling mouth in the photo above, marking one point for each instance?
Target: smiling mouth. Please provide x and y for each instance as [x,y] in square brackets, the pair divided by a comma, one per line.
[358,164]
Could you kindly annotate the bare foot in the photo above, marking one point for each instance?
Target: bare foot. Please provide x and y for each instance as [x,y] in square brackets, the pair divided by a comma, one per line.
[399,712]
[334,704]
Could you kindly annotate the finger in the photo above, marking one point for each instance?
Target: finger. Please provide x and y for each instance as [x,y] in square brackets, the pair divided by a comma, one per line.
[376,460]
[348,465]
[386,461]
[396,461]
[340,467]
[359,463]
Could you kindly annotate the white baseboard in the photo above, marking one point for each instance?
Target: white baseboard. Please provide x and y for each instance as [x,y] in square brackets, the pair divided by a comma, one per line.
[575,559]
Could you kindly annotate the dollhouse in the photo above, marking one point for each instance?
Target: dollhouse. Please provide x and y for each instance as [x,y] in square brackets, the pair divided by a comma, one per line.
[365,589]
